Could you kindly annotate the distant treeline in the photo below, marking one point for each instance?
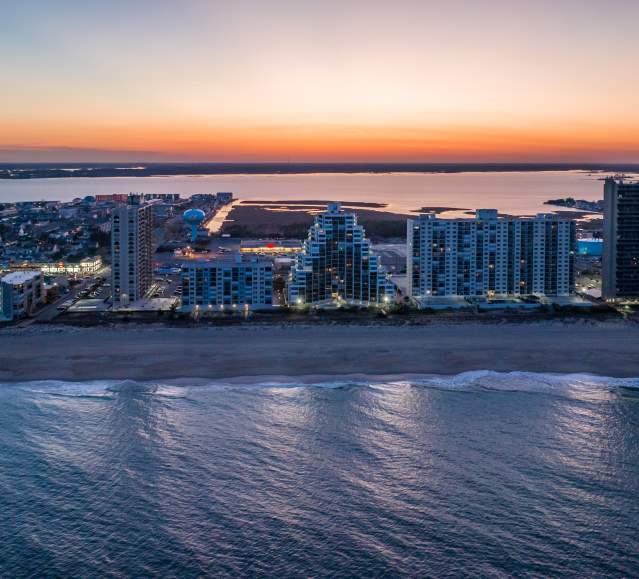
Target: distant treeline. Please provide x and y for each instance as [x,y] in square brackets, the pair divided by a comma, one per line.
[142,169]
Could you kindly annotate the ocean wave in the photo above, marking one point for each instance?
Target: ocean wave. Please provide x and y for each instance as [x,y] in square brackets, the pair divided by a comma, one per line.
[476,380]
[103,388]
[88,389]
[473,381]
[525,381]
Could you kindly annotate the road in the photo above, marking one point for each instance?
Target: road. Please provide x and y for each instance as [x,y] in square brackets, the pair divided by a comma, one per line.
[50,311]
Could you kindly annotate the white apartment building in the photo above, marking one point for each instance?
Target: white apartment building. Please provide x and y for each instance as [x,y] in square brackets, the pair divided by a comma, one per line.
[20,293]
[227,283]
[488,256]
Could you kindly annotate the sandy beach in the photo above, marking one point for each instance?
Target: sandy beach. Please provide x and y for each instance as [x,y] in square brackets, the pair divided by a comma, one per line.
[157,352]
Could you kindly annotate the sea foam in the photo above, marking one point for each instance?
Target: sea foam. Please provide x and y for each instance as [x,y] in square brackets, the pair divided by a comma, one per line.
[473,381]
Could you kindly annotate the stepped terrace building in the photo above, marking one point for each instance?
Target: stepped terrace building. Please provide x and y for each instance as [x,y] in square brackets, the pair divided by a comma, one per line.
[490,256]
[227,283]
[336,264]
[620,263]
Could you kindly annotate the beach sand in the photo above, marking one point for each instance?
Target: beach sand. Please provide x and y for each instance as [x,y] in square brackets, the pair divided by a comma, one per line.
[157,352]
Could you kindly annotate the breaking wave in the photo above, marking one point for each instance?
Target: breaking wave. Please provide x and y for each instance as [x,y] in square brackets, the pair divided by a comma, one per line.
[473,381]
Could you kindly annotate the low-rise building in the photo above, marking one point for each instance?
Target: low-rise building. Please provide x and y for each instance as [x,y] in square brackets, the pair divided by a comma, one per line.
[20,293]
[224,197]
[114,198]
[271,246]
[169,197]
[590,246]
[86,266]
[227,283]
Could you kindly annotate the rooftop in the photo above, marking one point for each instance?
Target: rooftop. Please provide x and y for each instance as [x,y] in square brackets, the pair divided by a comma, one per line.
[492,214]
[20,277]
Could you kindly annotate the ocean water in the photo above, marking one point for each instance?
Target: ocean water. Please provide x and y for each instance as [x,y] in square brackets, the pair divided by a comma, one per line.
[515,193]
[480,474]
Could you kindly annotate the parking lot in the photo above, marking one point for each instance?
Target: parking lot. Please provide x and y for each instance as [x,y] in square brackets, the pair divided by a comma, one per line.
[392,256]
[166,286]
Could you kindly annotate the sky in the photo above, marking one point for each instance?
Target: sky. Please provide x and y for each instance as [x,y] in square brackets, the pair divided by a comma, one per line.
[325,80]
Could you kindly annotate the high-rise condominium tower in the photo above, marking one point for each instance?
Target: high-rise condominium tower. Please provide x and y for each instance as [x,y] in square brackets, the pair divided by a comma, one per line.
[489,256]
[337,264]
[620,264]
[131,251]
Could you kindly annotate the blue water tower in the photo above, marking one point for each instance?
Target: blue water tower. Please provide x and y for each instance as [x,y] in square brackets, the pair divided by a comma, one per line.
[194,218]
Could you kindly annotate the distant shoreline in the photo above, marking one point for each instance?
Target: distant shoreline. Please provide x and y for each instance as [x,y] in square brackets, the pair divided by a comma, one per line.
[22,171]
[163,353]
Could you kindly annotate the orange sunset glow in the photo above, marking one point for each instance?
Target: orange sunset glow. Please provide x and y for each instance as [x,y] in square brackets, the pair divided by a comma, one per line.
[411,81]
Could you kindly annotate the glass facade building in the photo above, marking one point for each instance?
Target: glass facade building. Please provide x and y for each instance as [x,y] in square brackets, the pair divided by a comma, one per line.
[490,256]
[336,264]
[620,263]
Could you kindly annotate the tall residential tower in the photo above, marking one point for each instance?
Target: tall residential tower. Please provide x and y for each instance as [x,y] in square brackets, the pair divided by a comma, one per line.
[337,265]
[131,251]
[620,263]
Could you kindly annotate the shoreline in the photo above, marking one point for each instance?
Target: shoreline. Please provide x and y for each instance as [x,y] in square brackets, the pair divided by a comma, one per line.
[148,353]
[29,171]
